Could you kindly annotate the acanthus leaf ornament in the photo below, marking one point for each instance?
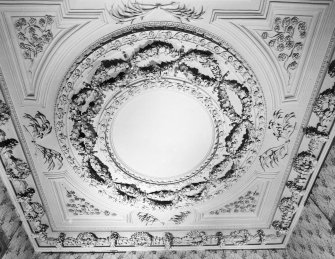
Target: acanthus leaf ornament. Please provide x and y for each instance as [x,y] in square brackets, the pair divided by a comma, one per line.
[133,10]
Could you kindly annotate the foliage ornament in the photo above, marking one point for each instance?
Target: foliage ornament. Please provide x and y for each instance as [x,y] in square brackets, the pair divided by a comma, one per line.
[305,161]
[41,127]
[331,69]
[159,56]
[131,11]
[78,206]
[34,34]
[4,113]
[287,40]
[282,127]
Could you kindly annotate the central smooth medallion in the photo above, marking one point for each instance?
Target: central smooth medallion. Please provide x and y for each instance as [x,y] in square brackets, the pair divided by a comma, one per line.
[162,134]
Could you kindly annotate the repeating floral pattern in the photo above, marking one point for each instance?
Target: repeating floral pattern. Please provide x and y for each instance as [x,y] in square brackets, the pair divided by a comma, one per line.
[245,203]
[287,40]
[34,33]
[78,206]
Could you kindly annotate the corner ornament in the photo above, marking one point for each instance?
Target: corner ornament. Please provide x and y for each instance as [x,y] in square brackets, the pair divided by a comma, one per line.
[131,11]
[34,35]
[286,39]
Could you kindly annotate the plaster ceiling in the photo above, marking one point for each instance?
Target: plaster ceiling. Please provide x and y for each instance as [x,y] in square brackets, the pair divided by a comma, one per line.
[144,126]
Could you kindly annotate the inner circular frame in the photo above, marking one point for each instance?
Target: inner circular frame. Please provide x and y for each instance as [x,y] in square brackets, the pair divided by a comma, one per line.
[170,85]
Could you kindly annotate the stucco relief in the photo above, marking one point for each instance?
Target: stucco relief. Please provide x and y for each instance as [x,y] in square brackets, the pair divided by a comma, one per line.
[305,161]
[79,206]
[39,128]
[287,39]
[244,204]
[34,34]
[167,59]
[282,127]
[133,10]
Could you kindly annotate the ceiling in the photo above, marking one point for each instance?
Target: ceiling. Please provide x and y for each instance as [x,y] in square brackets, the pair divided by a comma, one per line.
[158,125]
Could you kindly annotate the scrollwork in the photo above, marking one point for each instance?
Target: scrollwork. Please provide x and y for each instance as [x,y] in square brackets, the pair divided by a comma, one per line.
[131,11]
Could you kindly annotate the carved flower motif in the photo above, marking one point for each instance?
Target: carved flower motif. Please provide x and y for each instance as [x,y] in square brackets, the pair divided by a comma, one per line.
[33,35]
[302,27]
[280,47]
[286,22]
[264,35]
[289,44]
[32,20]
[49,18]
[276,28]
[272,43]
[4,113]
[304,162]
[331,69]
[293,65]
[20,23]
[42,21]
[282,57]
[295,56]
[290,30]
[280,37]
[294,20]
[278,20]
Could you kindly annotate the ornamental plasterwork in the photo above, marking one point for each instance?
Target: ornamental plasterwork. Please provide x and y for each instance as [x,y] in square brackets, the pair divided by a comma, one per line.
[39,127]
[164,212]
[287,39]
[282,127]
[195,65]
[34,34]
[79,206]
[304,162]
[133,10]
[244,204]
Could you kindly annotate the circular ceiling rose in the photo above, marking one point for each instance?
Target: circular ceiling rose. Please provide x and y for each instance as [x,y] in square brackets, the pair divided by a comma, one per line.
[160,116]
